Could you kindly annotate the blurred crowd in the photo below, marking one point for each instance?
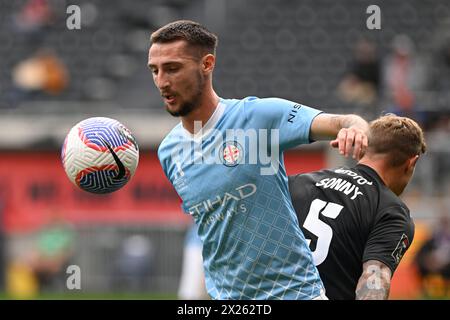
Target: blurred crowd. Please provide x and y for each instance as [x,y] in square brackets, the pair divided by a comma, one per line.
[402,79]
[397,78]
[433,260]
[400,82]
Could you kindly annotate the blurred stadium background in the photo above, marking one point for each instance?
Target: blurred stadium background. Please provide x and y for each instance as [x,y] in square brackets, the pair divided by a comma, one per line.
[130,243]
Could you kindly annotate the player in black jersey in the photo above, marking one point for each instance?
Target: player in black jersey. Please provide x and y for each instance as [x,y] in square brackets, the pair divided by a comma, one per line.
[357,226]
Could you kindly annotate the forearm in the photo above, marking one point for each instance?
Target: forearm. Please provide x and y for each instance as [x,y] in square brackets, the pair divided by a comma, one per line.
[327,126]
[375,282]
[351,120]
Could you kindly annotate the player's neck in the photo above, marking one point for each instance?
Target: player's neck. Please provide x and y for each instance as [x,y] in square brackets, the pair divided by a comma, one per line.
[387,175]
[208,104]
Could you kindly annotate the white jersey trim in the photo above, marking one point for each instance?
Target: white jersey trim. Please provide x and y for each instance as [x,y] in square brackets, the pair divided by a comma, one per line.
[208,127]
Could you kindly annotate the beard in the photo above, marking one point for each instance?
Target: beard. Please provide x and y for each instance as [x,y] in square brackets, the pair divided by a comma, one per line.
[187,107]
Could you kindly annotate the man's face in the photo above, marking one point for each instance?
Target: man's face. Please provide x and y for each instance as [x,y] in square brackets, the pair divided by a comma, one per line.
[177,73]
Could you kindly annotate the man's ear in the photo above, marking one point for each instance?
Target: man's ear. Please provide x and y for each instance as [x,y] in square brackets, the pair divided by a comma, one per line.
[412,162]
[208,63]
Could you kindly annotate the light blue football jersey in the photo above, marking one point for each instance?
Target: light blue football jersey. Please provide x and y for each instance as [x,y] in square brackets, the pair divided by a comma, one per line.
[231,179]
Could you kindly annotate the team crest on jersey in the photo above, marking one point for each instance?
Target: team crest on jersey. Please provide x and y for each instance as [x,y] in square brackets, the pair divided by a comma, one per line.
[231,153]
[400,250]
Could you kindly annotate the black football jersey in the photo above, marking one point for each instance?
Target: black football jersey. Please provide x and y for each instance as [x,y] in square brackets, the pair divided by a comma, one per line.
[349,216]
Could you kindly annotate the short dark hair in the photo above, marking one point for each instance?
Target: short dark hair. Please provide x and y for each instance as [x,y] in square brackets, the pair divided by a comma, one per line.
[192,32]
[398,137]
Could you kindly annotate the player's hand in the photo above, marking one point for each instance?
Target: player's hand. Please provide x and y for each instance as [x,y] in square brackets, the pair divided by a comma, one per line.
[351,137]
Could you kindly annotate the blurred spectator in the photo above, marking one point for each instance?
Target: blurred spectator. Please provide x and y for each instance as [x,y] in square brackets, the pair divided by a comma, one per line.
[33,16]
[21,283]
[440,81]
[44,71]
[441,76]
[53,252]
[192,281]
[134,264]
[404,78]
[433,260]
[362,83]
[437,164]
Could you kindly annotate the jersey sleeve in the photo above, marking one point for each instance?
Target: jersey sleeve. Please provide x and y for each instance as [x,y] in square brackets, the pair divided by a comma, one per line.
[391,236]
[293,120]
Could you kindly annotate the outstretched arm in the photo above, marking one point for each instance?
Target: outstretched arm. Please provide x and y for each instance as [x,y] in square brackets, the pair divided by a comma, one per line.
[347,131]
[375,281]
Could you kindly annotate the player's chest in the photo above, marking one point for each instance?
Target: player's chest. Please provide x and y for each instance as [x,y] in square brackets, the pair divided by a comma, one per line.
[221,177]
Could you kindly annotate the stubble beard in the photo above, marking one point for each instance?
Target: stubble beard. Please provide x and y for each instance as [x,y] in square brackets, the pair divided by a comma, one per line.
[188,106]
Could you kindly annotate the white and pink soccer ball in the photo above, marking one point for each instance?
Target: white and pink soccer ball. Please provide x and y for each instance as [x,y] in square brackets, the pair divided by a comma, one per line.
[100,155]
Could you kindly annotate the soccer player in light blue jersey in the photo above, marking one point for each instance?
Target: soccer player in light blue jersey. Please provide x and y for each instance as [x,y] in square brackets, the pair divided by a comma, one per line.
[225,160]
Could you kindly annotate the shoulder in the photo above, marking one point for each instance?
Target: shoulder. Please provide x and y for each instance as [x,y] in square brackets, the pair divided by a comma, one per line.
[389,208]
[275,107]
[394,209]
[254,103]
[260,111]
[299,183]
[390,203]
[276,111]
[394,215]
[308,177]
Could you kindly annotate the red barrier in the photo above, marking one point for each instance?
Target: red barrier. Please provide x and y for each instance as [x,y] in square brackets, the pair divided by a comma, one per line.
[34,186]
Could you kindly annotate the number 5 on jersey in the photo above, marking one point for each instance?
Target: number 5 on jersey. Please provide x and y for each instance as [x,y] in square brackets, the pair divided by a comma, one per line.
[320,229]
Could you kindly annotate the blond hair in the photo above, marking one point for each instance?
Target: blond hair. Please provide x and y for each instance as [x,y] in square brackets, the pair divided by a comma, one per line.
[399,138]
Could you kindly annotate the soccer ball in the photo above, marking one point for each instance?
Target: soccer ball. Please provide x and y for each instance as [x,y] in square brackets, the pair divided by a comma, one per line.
[100,155]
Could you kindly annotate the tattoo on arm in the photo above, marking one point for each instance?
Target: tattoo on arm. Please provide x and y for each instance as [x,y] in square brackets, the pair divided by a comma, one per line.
[375,281]
[337,122]
[354,120]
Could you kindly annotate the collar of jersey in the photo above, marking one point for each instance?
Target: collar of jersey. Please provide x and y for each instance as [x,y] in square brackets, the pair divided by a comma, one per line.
[370,171]
[210,124]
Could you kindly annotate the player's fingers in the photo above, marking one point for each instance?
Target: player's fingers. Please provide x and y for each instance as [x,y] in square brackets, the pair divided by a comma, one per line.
[357,146]
[349,141]
[334,143]
[341,140]
[365,145]
[365,142]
